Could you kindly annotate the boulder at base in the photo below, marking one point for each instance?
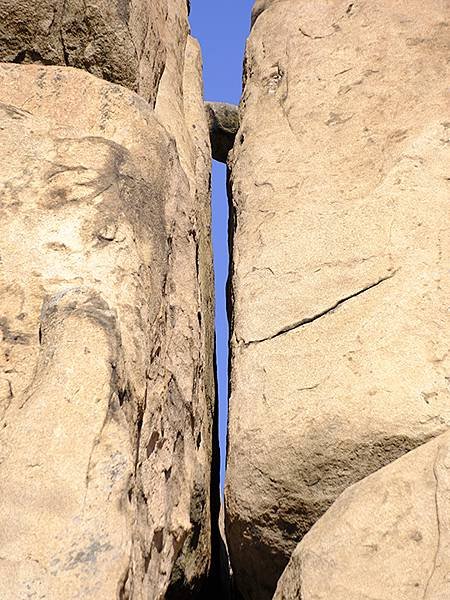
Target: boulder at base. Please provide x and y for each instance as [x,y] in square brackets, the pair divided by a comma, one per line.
[387,537]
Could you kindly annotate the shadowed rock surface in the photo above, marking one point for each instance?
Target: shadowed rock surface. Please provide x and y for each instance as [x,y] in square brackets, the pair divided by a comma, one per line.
[339,285]
[118,40]
[223,121]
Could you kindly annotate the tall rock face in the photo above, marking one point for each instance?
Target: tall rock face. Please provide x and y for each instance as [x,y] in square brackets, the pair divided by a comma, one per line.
[106,371]
[385,537]
[340,280]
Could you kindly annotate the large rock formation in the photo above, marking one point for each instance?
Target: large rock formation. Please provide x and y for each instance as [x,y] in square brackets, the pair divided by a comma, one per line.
[118,40]
[385,537]
[106,376]
[340,285]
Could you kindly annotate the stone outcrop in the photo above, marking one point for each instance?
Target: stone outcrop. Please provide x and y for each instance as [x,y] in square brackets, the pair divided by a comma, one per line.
[118,40]
[385,537]
[106,375]
[339,271]
[338,446]
[223,121]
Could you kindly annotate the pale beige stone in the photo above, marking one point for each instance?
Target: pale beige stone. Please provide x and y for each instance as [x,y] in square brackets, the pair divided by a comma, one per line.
[106,354]
[340,274]
[385,537]
[123,41]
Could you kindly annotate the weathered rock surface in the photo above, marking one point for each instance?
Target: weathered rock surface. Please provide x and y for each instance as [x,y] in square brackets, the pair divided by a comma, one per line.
[107,392]
[118,40]
[385,537]
[340,279]
[223,121]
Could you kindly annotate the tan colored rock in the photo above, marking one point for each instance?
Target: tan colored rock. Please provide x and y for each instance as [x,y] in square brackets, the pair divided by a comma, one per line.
[385,537]
[340,263]
[106,355]
[122,41]
[180,109]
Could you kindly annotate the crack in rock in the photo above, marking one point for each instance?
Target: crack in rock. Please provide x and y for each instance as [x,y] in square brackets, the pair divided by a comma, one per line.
[334,25]
[438,527]
[321,314]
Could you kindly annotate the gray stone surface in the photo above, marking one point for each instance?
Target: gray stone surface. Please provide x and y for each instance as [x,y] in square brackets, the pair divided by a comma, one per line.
[223,121]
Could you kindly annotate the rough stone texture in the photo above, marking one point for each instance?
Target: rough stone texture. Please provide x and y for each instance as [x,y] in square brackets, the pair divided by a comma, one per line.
[122,41]
[223,121]
[106,379]
[179,108]
[340,278]
[385,537]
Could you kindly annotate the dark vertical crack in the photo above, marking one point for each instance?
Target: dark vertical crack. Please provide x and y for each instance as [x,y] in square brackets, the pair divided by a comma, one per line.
[213,586]
[61,36]
[315,37]
[232,226]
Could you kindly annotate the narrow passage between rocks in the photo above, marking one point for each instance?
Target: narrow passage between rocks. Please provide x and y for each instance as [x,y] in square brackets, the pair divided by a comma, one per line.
[223,42]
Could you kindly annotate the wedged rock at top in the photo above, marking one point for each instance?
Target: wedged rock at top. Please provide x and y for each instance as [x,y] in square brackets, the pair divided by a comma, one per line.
[121,41]
[340,275]
[223,121]
[385,537]
[106,386]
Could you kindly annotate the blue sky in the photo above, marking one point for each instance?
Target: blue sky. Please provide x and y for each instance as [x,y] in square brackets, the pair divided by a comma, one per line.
[222,27]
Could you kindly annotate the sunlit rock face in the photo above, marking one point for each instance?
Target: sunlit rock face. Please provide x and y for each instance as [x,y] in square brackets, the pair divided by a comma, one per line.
[340,281]
[106,371]
[385,537]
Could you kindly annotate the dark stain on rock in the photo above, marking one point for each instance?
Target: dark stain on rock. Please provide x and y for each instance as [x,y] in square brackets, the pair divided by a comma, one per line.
[180,587]
[30,56]
[259,7]
[86,556]
[196,514]
[152,443]
[76,188]
[158,540]
[79,301]
[83,303]
[123,10]
[337,119]
[13,337]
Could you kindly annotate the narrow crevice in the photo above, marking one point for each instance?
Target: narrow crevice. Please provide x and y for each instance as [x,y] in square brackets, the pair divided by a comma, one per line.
[61,33]
[222,114]
[323,313]
[315,37]
[232,224]
[215,585]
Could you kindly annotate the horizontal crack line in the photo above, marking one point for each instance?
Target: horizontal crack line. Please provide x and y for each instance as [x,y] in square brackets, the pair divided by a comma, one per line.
[335,306]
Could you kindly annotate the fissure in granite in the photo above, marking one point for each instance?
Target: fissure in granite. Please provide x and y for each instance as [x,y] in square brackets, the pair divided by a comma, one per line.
[338,443]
